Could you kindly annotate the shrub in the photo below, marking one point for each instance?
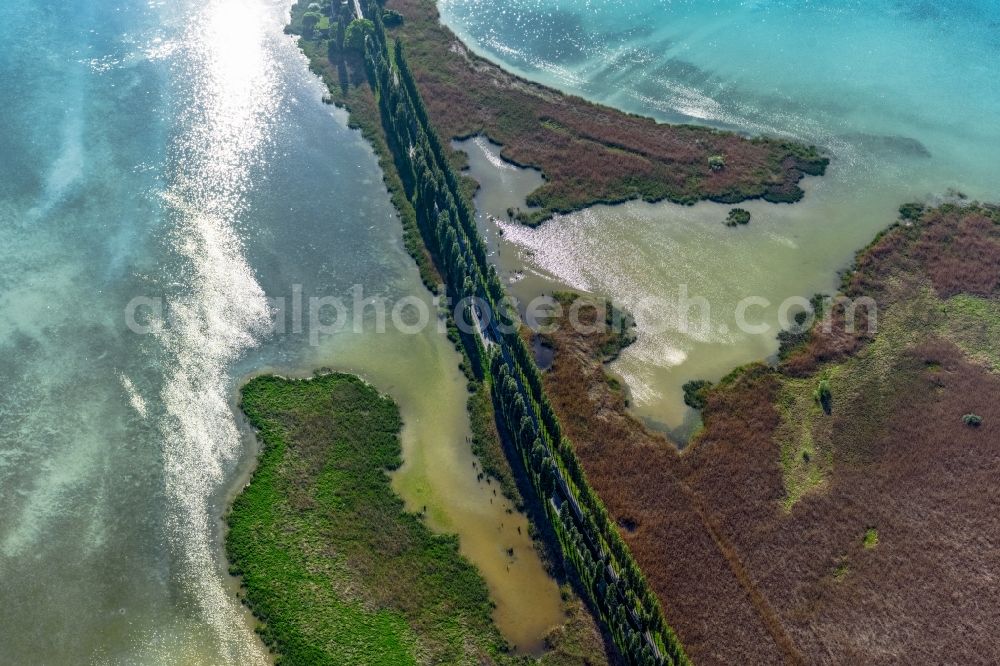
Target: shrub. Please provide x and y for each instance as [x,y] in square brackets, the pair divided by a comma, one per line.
[911,211]
[738,216]
[391,18]
[310,21]
[972,420]
[717,162]
[696,393]
[824,396]
[354,37]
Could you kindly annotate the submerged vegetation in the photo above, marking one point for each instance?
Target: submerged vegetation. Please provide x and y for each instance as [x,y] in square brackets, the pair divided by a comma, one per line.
[696,393]
[737,217]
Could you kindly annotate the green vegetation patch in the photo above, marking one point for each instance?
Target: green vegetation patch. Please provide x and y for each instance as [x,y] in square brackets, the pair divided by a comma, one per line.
[973,323]
[696,393]
[972,420]
[332,564]
[737,217]
[865,385]
[862,389]
[841,569]
[806,459]
[487,446]
[870,540]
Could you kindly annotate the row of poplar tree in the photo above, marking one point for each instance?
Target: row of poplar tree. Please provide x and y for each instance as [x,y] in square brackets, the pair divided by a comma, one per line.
[588,537]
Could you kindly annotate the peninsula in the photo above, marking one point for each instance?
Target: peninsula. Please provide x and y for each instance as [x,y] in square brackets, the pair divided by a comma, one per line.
[804,510]
[587,153]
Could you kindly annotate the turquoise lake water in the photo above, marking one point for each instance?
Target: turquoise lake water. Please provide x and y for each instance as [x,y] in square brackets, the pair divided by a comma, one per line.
[873,81]
[902,95]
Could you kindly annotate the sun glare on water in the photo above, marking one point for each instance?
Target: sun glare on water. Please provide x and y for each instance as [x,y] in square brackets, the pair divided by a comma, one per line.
[230,92]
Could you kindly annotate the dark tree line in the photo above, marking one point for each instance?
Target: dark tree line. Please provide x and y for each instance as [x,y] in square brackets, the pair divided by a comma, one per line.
[588,537]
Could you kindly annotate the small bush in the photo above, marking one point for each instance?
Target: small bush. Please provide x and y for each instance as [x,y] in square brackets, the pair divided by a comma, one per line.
[354,38]
[841,570]
[717,162]
[310,20]
[696,393]
[911,211]
[871,538]
[738,216]
[972,420]
[391,18]
[824,396]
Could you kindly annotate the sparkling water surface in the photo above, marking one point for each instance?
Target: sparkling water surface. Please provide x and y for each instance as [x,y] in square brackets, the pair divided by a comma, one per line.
[179,151]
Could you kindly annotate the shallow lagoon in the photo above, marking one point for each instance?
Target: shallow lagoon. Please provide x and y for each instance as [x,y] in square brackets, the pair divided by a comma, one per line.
[899,94]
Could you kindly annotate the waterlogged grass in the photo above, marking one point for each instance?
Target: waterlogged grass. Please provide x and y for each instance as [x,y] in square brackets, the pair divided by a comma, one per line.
[973,323]
[333,566]
[487,446]
[867,383]
[805,465]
